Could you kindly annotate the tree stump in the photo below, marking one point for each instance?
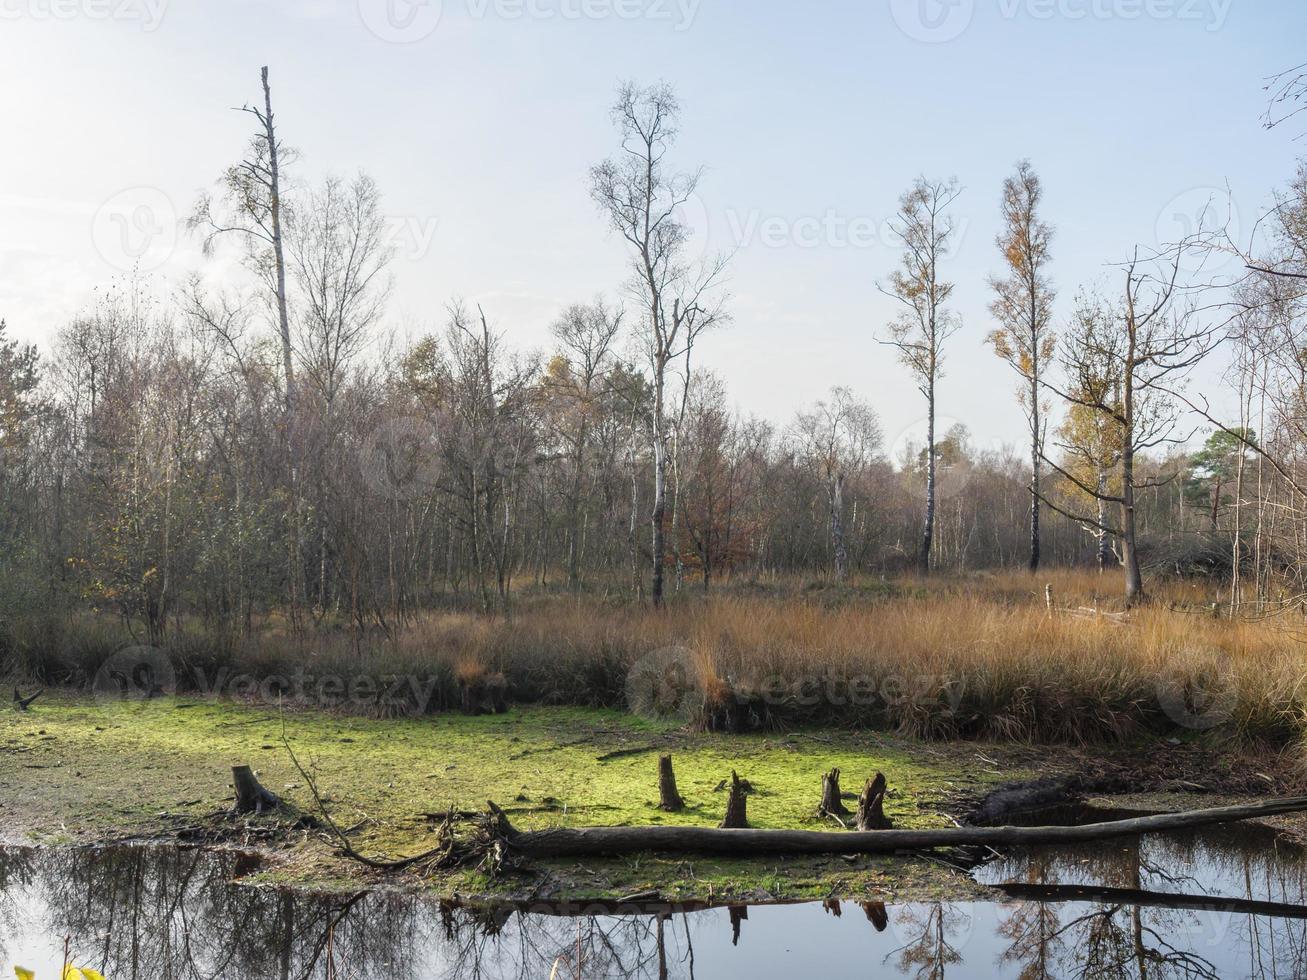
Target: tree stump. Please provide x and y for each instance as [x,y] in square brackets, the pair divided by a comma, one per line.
[736,805]
[871,804]
[668,797]
[831,803]
[876,915]
[738,914]
[21,703]
[251,797]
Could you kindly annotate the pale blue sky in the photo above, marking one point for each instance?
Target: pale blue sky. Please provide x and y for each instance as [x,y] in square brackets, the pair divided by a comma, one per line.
[811,119]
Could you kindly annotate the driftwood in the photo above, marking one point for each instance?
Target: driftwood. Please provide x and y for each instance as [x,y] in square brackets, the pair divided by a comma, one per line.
[668,797]
[736,806]
[23,703]
[871,805]
[617,841]
[832,804]
[251,797]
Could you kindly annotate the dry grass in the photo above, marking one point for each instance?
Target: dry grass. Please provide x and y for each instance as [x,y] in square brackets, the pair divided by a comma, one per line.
[965,658]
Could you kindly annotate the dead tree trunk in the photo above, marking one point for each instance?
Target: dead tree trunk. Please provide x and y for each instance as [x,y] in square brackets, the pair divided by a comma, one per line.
[832,804]
[871,805]
[736,804]
[669,799]
[251,797]
[617,841]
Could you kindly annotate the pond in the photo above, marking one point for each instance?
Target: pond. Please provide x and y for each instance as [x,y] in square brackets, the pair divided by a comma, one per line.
[1224,903]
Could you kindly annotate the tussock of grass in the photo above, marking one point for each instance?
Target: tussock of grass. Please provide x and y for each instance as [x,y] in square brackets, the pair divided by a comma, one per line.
[980,657]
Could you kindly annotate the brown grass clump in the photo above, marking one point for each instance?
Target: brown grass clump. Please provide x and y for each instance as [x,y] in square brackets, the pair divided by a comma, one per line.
[978,657]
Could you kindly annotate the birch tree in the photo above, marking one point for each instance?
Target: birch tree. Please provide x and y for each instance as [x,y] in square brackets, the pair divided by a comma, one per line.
[678,298]
[925,231]
[838,438]
[1023,307]
[252,209]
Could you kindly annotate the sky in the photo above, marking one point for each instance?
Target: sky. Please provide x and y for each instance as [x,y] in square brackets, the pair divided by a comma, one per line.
[480,119]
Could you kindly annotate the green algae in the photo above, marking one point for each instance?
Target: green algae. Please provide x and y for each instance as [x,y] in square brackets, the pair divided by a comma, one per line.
[74,770]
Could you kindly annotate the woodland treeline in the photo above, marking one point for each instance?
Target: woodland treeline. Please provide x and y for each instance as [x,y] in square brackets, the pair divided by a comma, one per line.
[226,454]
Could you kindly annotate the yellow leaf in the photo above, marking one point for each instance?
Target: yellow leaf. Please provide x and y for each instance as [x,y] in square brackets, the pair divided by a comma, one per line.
[72,973]
[24,973]
[90,974]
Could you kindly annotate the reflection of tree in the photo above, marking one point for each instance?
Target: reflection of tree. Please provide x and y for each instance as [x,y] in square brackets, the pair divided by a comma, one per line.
[17,869]
[1101,941]
[936,925]
[168,914]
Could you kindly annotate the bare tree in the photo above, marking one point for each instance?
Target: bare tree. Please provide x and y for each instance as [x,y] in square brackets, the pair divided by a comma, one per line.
[1023,306]
[925,231]
[252,192]
[1158,335]
[837,438]
[678,300]
[586,333]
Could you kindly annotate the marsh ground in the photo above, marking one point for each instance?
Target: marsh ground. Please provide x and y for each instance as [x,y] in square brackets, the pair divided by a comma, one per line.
[77,771]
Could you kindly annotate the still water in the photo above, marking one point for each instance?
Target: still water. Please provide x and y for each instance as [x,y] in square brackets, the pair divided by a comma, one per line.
[167,914]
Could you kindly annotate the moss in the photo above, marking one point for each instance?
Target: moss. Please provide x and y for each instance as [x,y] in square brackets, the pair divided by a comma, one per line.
[73,770]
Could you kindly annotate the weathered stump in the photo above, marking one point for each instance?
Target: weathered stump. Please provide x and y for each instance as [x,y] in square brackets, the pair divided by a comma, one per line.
[831,803]
[668,797]
[871,805]
[21,703]
[251,796]
[736,806]
[832,907]
[738,914]
[876,915]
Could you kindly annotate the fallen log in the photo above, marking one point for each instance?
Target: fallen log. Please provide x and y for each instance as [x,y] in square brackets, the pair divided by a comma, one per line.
[616,841]
[1092,894]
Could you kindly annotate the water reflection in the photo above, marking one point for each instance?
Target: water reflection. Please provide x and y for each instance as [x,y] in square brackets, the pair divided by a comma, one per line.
[163,913]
